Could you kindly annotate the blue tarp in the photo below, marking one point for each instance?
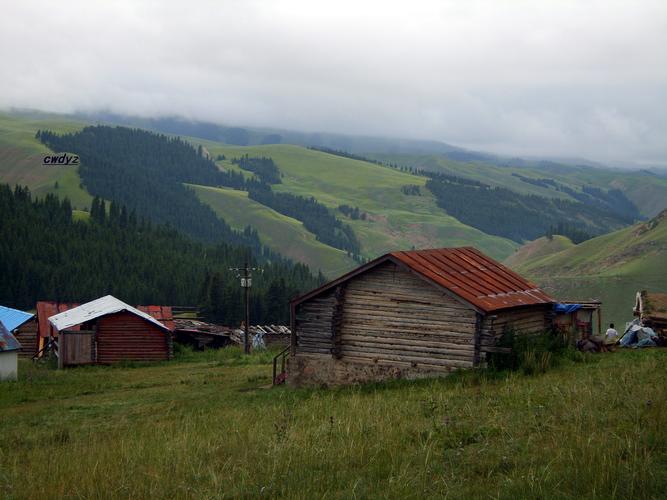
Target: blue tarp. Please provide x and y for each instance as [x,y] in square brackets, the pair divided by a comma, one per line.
[566,308]
[13,318]
[7,341]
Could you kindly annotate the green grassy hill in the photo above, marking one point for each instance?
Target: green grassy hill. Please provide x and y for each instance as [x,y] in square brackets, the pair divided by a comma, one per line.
[538,248]
[277,231]
[395,220]
[21,157]
[209,426]
[612,267]
[647,191]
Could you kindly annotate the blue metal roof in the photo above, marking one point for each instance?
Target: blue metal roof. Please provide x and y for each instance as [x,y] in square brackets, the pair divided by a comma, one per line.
[7,341]
[13,318]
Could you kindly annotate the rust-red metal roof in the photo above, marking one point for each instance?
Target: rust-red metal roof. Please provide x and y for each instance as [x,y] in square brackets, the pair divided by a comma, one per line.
[46,309]
[161,313]
[465,272]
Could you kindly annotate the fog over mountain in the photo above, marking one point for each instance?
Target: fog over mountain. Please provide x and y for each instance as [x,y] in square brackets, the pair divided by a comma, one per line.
[548,78]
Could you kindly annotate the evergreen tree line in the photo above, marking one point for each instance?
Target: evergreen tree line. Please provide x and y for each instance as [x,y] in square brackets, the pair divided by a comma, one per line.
[411,190]
[45,255]
[316,217]
[352,212]
[519,217]
[575,234]
[146,172]
[344,154]
[264,168]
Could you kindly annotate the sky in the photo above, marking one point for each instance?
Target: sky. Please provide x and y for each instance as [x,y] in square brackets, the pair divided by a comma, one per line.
[544,78]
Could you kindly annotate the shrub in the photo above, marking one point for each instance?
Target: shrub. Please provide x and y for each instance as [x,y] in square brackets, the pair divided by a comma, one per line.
[535,353]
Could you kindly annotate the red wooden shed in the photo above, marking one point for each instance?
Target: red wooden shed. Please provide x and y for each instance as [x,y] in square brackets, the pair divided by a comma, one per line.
[109,331]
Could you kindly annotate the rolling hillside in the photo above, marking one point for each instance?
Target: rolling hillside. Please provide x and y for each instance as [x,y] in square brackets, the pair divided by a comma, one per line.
[392,217]
[612,267]
[277,231]
[646,190]
[21,157]
[538,248]
[395,220]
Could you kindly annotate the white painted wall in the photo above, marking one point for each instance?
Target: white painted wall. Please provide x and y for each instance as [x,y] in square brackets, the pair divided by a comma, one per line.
[8,365]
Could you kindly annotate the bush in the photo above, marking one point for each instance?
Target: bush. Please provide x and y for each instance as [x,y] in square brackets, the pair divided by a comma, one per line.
[530,354]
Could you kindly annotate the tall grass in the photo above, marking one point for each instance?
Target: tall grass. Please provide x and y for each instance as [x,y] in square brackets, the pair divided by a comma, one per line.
[200,428]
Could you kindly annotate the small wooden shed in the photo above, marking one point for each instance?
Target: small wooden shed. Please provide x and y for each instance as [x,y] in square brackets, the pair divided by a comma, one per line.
[410,314]
[109,331]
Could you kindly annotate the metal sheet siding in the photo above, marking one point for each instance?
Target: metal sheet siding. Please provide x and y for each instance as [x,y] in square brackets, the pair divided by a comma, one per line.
[126,336]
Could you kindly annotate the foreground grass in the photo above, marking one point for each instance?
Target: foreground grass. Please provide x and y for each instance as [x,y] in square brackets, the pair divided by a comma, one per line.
[207,426]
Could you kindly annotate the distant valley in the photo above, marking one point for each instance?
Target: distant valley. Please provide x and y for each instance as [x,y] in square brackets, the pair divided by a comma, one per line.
[386,198]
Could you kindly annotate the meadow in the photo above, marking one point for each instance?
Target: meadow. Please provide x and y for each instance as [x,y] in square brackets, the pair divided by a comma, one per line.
[395,220]
[209,425]
[276,230]
[21,158]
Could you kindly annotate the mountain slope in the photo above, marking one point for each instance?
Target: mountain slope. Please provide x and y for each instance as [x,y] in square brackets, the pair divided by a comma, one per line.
[21,158]
[394,219]
[279,232]
[538,248]
[612,267]
[645,189]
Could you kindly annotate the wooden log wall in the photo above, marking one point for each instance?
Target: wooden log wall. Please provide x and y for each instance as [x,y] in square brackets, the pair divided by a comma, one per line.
[26,334]
[391,316]
[125,336]
[528,320]
[314,323]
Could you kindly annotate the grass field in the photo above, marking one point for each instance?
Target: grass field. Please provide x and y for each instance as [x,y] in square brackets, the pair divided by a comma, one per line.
[21,158]
[397,221]
[208,426]
[277,231]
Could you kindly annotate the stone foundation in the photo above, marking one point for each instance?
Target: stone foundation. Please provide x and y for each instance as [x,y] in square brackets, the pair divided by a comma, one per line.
[305,370]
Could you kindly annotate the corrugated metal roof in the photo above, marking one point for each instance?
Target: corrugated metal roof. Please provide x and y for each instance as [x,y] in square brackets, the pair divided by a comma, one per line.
[13,318]
[465,272]
[95,309]
[473,276]
[7,341]
[161,313]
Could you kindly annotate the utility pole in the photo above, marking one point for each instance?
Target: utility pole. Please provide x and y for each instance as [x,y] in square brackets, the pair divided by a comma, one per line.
[245,273]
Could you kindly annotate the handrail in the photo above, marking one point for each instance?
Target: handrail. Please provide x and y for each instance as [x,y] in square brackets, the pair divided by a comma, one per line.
[283,357]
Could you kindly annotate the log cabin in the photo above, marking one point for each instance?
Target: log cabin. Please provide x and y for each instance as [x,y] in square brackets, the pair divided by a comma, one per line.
[107,331]
[410,314]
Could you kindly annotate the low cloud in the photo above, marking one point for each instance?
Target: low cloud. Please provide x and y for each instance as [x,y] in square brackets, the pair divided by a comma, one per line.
[533,78]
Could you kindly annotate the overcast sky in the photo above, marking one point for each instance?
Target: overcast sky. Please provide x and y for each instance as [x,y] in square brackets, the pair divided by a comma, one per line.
[562,78]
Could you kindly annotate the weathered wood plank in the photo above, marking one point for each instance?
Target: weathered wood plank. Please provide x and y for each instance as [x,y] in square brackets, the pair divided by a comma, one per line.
[365,353]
